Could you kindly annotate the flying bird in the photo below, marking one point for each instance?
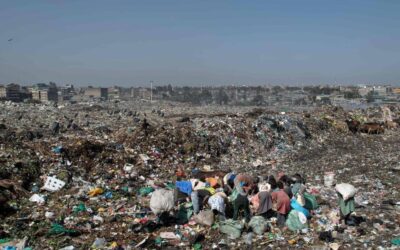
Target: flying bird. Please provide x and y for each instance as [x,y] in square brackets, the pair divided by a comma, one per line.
[10,39]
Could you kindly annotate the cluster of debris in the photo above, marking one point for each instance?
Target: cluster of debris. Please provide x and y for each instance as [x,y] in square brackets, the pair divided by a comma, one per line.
[108,176]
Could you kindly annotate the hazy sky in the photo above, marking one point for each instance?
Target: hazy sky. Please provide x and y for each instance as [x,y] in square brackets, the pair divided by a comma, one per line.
[191,42]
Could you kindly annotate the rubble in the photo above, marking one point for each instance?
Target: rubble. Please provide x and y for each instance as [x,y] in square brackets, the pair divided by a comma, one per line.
[87,175]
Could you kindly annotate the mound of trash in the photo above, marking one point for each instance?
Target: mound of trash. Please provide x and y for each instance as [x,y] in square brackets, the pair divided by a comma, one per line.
[120,176]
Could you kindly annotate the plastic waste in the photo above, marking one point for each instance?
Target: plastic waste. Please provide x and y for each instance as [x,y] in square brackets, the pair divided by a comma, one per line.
[296,221]
[258,224]
[329,179]
[396,241]
[99,243]
[296,206]
[128,167]
[53,184]
[79,208]
[169,236]
[108,195]
[68,248]
[37,198]
[144,191]
[9,248]
[310,201]
[346,190]
[95,192]
[248,239]
[59,229]
[231,227]
[49,215]
[162,200]
[205,218]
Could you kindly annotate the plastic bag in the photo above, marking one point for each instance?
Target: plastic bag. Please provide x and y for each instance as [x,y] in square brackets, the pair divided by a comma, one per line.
[231,227]
[96,191]
[310,201]
[346,190]
[162,200]
[296,206]
[300,199]
[258,224]
[144,191]
[296,221]
[53,184]
[205,218]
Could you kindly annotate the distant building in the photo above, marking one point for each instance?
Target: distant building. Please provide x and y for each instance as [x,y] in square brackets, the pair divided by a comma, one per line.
[377,90]
[11,92]
[45,92]
[100,93]
[114,93]
[323,99]
[3,92]
[25,93]
[66,93]
[141,93]
[363,91]
[396,91]
[381,90]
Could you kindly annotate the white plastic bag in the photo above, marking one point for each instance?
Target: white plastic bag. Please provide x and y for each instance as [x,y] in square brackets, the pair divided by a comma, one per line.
[346,190]
[162,200]
[329,179]
[300,199]
[205,218]
[53,184]
[37,198]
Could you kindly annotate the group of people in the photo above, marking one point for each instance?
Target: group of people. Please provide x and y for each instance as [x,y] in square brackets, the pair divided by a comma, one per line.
[240,196]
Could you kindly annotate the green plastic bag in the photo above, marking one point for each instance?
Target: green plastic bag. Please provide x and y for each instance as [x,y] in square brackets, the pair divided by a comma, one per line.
[184,214]
[231,227]
[310,201]
[258,224]
[396,241]
[60,229]
[293,221]
[80,208]
[4,240]
[197,246]
[144,191]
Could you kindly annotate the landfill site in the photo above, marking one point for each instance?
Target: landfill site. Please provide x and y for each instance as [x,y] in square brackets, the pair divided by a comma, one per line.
[163,175]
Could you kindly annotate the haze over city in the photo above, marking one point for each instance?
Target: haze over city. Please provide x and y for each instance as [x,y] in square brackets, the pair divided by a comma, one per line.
[129,43]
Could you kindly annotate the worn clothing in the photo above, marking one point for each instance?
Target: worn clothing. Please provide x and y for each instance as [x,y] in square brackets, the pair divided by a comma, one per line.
[296,188]
[241,181]
[196,184]
[288,191]
[217,202]
[230,177]
[198,197]
[241,203]
[184,186]
[268,215]
[346,207]
[265,202]
[282,201]
[212,181]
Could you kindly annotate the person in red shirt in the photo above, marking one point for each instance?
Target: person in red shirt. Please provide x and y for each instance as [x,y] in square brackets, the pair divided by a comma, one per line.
[282,203]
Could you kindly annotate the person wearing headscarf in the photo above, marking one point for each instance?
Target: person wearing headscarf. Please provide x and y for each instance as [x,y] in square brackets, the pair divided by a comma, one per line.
[265,201]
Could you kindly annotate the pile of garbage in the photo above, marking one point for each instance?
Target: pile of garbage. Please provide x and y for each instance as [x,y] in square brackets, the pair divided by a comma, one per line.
[110,176]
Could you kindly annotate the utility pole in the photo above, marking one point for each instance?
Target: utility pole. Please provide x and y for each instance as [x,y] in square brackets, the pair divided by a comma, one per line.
[151,91]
